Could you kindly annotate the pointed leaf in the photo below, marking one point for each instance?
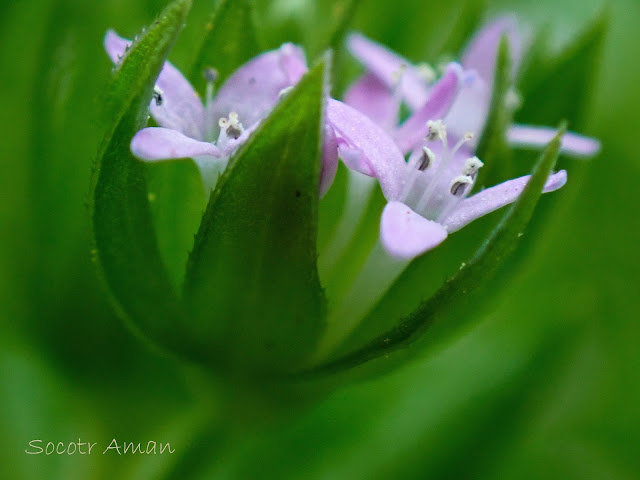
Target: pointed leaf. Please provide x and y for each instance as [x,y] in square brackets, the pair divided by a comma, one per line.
[534,60]
[251,280]
[444,313]
[125,243]
[492,148]
[230,41]
[342,15]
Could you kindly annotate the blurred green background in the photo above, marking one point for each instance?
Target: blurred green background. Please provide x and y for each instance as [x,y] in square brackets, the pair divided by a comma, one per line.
[545,386]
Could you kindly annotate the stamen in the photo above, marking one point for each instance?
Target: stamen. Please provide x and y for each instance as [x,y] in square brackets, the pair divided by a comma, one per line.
[471,167]
[397,75]
[426,159]
[232,126]
[437,130]
[210,74]
[426,72]
[466,138]
[419,162]
[157,95]
[460,184]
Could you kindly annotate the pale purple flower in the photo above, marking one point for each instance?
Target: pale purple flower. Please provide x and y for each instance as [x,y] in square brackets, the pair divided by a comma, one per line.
[378,92]
[427,196]
[210,131]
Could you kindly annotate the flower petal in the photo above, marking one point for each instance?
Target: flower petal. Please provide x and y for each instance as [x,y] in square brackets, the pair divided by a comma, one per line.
[354,159]
[441,98]
[526,136]
[469,112]
[386,65]
[482,51]
[404,234]
[115,45]
[293,62]
[158,143]
[181,108]
[377,150]
[254,89]
[493,198]
[329,159]
[372,97]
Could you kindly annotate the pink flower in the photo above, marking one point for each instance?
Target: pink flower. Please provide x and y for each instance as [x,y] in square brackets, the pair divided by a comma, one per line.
[210,131]
[379,92]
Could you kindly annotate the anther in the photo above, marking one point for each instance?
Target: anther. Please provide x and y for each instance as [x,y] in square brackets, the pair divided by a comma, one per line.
[471,167]
[426,159]
[460,184]
[437,130]
[426,72]
[210,74]
[157,95]
[232,126]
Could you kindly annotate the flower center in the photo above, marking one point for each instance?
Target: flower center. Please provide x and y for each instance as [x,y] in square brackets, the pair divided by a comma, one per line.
[230,129]
[438,177]
[426,72]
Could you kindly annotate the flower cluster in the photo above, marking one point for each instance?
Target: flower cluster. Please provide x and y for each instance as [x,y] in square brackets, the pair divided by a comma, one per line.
[427,192]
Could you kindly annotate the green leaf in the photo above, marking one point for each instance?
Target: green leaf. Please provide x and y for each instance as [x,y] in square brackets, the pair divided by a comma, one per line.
[562,88]
[137,71]
[341,15]
[492,148]
[331,206]
[535,60]
[342,271]
[231,40]
[444,313]
[466,24]
[251,279]
[125,241]
[177,200]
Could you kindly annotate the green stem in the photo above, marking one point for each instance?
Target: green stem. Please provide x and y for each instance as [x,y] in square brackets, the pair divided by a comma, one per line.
[374,279]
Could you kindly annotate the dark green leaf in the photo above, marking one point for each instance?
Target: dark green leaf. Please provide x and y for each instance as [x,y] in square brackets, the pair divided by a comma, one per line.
[230,41]
[251,280]
[562,89]
[444,314]
[492,148]
[125,241]
[535,59]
